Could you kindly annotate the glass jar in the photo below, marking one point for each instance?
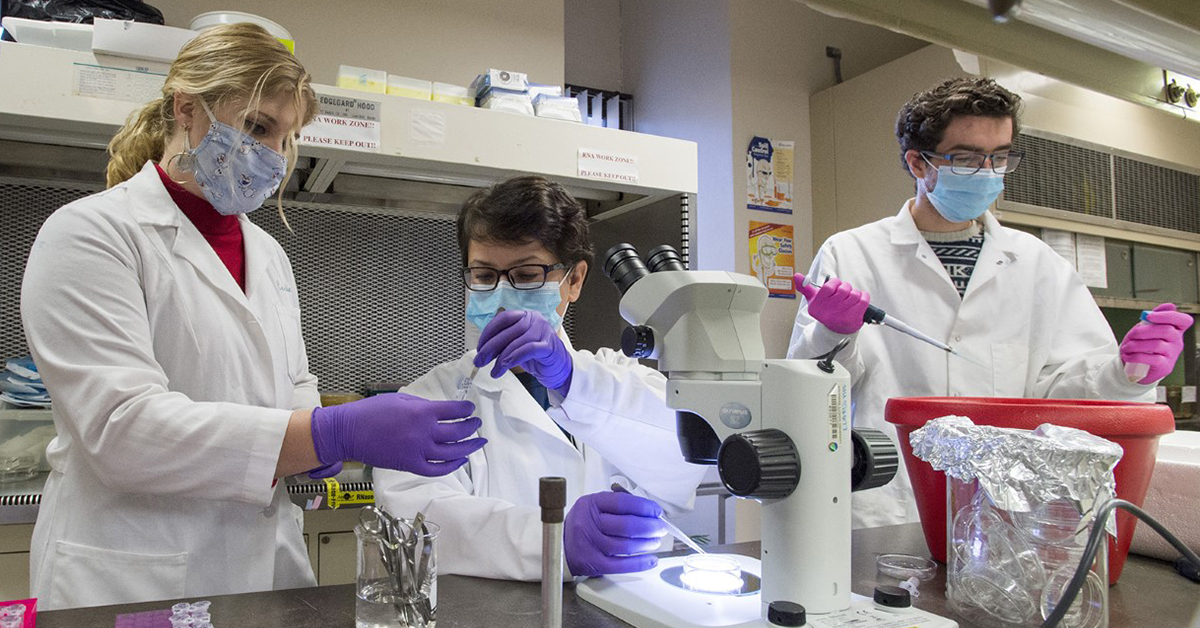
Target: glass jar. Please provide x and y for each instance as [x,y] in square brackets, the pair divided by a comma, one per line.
[1009,569]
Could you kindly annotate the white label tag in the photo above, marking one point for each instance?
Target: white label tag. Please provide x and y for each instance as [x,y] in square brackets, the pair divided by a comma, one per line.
[96,81]
[428,127]
[351,123]
[606,166]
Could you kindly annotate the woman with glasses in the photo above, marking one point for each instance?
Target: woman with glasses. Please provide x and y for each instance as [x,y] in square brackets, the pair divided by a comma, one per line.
[1017,311]
[547,409]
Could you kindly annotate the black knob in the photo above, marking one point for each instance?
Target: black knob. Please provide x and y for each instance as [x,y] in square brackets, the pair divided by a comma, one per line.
[763,464]
[892,597]
[786,614]
[637,341]
[875,459]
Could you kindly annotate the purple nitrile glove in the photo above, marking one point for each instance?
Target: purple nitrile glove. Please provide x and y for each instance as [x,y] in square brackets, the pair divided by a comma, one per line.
[612,533]
[326,471]
[836,305]
[397,431]
[525,339]
[1150,349]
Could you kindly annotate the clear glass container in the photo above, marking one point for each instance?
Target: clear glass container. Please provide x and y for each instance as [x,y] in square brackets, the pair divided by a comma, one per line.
[396,584]
[1009,569]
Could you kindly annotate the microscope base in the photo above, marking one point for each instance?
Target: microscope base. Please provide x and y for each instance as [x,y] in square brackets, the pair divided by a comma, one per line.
[646,600]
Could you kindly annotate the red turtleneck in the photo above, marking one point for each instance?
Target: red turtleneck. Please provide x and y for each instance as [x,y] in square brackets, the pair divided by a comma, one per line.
[223,233]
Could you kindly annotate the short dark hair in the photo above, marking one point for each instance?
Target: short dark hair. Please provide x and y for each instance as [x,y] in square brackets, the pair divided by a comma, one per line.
[923,120]
[523,209]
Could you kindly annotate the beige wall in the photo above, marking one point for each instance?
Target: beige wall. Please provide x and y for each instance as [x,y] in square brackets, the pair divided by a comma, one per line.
[438,40]
[777,62]
[593,43]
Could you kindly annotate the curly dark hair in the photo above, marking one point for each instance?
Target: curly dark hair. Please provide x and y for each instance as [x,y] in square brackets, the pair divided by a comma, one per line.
[523,209]
[923,120]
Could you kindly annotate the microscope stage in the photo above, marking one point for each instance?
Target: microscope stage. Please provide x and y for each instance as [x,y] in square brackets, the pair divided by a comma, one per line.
[646,600]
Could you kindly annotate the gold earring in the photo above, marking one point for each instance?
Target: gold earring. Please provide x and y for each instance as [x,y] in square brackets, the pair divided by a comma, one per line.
[186,159]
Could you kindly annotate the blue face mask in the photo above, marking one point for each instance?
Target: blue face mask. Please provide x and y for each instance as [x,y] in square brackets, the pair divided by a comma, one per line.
[964,197]
[483,306]
[236,172]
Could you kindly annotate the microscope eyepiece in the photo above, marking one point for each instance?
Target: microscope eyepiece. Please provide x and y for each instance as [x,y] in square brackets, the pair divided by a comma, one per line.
[623,266]
[664,257]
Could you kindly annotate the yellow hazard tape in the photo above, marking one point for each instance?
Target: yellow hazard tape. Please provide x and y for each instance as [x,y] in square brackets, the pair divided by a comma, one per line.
[338,497]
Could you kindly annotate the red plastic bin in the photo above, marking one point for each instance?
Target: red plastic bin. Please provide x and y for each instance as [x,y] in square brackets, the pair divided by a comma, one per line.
[1136,427]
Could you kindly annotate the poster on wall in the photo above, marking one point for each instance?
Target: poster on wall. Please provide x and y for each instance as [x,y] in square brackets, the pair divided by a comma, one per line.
[769,174]
[772,258]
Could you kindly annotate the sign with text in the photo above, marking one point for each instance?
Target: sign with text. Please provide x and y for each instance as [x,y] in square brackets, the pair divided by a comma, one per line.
[772,258]
[607,166]
[350,123]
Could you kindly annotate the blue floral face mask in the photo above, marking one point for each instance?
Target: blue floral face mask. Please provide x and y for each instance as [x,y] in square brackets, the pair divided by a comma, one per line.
[236,172]
[483,306]
[963,197]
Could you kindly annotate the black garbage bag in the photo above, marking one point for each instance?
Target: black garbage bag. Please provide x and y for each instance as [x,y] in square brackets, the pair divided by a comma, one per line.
[81,11]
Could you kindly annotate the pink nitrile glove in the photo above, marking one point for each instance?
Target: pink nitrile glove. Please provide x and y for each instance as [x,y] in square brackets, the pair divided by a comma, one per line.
[397,431]
[836,305]
[525,339]
[1150,349]
[610,532]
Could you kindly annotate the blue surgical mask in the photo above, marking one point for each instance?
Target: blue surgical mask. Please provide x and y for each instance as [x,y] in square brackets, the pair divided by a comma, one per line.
[483,306]
[236,172]
[964,197]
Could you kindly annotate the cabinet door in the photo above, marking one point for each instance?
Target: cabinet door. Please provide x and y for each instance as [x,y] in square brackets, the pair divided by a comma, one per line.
[14,576]
[1164,274]
[1118,257]
[336,558]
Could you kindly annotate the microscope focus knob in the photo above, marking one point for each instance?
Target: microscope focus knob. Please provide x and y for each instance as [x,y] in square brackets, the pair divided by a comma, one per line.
[763,464]
[637,341]
[875,459]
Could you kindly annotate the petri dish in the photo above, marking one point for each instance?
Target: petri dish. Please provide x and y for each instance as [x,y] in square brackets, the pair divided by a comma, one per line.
[905,566]
[710,573]
[1087,611]
[998,594]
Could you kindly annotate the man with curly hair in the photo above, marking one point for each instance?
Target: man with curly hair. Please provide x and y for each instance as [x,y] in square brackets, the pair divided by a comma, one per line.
[1018,313]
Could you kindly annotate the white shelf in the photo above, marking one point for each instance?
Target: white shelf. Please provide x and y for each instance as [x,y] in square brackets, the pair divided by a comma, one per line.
[38,104]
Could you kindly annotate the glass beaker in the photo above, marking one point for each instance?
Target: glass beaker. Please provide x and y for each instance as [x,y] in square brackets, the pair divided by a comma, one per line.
[1009,569]
[396,585]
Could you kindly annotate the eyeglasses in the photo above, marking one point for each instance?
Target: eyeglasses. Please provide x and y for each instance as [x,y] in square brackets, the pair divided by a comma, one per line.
[523,277]
[970,163]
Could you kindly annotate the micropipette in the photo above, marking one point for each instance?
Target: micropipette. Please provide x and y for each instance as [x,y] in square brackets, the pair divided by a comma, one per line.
[672,528]
[876,316]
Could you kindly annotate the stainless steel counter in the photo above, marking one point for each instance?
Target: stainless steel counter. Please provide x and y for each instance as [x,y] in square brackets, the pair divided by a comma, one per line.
[1150,593]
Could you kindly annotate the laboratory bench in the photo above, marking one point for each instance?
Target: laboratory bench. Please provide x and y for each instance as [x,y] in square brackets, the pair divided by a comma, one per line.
[1149,593]
[328,532]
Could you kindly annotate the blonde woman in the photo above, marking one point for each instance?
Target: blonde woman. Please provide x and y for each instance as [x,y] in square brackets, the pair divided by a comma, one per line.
[167,329]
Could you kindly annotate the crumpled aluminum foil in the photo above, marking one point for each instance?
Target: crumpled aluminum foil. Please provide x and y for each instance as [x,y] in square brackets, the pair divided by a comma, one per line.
[1020,469]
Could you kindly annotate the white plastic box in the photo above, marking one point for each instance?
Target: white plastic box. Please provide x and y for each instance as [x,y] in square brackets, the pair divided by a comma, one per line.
[453,94]
[409,87]
[362,79]
[138,40]
[1173,497]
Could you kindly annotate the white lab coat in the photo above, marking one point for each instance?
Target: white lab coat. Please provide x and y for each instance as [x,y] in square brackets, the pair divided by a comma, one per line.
[1027,317]
[172,391]
[488,510]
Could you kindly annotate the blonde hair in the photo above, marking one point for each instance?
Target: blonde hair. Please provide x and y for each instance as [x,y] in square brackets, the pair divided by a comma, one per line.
[233,62]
